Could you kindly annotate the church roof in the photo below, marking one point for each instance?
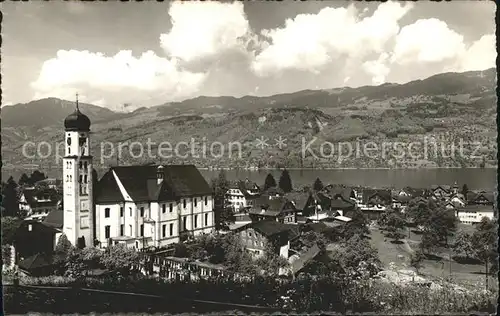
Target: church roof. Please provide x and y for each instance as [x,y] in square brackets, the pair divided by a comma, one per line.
[141,183]
[77,121]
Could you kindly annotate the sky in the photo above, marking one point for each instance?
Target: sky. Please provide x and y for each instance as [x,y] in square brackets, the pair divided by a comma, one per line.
[149,53]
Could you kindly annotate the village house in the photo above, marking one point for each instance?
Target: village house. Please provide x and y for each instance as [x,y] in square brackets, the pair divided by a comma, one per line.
[50,183]
[38,203]
[375,201]
[480,198]
[474,213]
[305,203]
[278,209]
[242,194]
[33,237]
[145,206]
[256,237]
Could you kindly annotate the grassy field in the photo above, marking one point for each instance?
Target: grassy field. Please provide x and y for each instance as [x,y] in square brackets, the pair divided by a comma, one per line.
[398,255]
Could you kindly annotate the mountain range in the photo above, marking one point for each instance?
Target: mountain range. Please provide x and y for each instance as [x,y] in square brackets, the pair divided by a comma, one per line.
[448,106]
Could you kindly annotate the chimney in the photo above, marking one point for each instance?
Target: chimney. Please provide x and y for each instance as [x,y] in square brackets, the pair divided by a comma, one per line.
[159,175]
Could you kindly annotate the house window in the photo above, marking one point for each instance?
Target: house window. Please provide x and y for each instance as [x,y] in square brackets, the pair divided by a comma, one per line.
[163,208]
[81,164]
[171,229]
[142,211]
[85,179]
[85,165]
[195,202]
[206,219]
[130,229]
[163,230]
[106,212]
[107,230]
[171,207]
[121,211]
[184,222]
[80,179]
[184,203]
[195,221]
[30,227]
[130,211]
[206,200]
[122,230]
[141,230]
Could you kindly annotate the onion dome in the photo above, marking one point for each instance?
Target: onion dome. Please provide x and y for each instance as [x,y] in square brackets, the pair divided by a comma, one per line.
[77,121]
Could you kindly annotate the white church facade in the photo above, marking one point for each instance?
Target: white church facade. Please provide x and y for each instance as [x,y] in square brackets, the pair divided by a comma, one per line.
[140,206]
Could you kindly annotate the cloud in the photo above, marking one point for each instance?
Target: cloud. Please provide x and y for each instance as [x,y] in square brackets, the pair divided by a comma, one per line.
[427,40]
[310,42]
[201,30]
[121,74]
[211,49]
[480,55]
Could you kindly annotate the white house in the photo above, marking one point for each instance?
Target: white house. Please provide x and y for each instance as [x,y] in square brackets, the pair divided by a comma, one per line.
[144,206]
[473,214]
[37,204]
[242,194]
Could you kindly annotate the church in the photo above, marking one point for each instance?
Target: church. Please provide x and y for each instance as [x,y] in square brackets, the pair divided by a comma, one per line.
[140,206]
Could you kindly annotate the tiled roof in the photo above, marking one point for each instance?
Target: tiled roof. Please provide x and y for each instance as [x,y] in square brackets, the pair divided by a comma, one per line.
[36,261]
[141,183]
[245,187]
[272,207]
[269,228]
[473,196]
[339,202]
[41,198]
[54,219]
[384,195]
[299,199]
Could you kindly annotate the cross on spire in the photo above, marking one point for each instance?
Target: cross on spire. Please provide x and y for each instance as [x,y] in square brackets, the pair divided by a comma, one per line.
[77,102]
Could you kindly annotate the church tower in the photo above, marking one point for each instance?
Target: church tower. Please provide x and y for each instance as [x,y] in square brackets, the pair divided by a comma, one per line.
[77,179]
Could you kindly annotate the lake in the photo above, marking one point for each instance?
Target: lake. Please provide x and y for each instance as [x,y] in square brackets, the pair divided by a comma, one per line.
[420,178]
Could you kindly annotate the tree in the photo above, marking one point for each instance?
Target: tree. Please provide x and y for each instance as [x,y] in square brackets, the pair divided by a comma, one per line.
[63,245]
[10,199]
[394,225]
[465,190]
[24,179]
[429,241]
[485,242]
[220,185]
[236,259]
[318,185]
[443,223]
[354,252]
[181,250]
[269,182]
[285,183]
[416,260]
[121,259]
[463,245]
[9,228]
[271,263]
[357,226]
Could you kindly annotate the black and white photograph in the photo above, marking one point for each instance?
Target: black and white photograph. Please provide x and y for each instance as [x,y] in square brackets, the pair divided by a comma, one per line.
[249,157]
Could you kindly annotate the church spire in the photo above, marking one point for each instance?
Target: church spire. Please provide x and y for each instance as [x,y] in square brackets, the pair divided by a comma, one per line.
[77,102]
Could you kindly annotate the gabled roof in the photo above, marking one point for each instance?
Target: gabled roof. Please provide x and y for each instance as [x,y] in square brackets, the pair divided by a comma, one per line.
[272,207]
[269,228]
[336,190]
[141,183]
[474,196]
[245,187]
[339,202]
[384,194]
[299,199]
[46,197]
[444,187]
[36,261]
[54,219]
